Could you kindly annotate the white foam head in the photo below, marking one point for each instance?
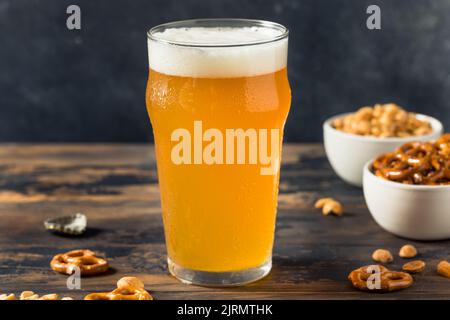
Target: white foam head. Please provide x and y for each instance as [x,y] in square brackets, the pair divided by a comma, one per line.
[218,52]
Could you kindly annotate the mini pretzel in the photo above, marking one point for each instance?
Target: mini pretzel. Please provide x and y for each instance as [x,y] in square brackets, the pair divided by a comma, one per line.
[424,163]
[128,288]
[86,260]
[389,280]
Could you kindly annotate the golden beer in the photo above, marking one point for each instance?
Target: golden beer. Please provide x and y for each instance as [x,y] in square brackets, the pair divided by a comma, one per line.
[227,97]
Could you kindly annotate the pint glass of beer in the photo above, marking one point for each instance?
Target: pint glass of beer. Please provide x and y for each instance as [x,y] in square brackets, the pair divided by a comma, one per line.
[218,97]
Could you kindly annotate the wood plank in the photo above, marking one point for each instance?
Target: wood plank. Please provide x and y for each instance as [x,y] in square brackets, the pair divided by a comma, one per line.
[116,186]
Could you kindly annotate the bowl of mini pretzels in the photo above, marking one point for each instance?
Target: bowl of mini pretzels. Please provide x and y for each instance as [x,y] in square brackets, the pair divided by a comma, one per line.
[352,139]
[407,190]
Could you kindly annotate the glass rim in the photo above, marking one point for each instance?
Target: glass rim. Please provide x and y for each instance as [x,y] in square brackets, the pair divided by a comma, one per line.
[191,22]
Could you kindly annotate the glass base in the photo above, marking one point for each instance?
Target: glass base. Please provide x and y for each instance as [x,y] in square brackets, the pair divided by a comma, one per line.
[219,279]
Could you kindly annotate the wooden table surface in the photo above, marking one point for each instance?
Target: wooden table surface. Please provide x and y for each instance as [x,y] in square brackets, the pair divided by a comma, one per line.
[116,187]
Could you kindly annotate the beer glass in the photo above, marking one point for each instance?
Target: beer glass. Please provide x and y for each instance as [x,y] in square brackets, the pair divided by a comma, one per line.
[218,98]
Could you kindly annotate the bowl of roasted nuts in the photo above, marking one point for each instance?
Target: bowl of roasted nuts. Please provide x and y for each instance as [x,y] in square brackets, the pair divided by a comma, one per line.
[352,139]
[407,191]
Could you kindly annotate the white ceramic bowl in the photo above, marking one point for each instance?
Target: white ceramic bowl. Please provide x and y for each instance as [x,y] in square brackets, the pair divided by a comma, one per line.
[348,153]
[410,211]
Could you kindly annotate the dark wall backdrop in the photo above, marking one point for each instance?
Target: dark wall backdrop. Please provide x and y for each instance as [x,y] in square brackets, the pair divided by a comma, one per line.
[88,85]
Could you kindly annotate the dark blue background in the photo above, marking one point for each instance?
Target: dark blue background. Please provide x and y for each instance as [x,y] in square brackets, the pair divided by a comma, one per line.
[89,85]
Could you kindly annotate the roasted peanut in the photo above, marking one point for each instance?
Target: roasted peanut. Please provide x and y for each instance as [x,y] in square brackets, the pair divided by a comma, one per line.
[329,205]
[28,295]
[321,202]
[382,255]
[130,282]
[388,120]
[408,251]
[10,296]
[52,296]
[415,266]
[443,268]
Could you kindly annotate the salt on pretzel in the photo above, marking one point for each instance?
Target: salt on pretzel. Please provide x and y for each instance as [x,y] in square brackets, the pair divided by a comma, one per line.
[128,288]
[85,260]
[388,280]
[424,163]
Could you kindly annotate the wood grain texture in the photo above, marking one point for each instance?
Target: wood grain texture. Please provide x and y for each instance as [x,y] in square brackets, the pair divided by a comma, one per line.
[116,187]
